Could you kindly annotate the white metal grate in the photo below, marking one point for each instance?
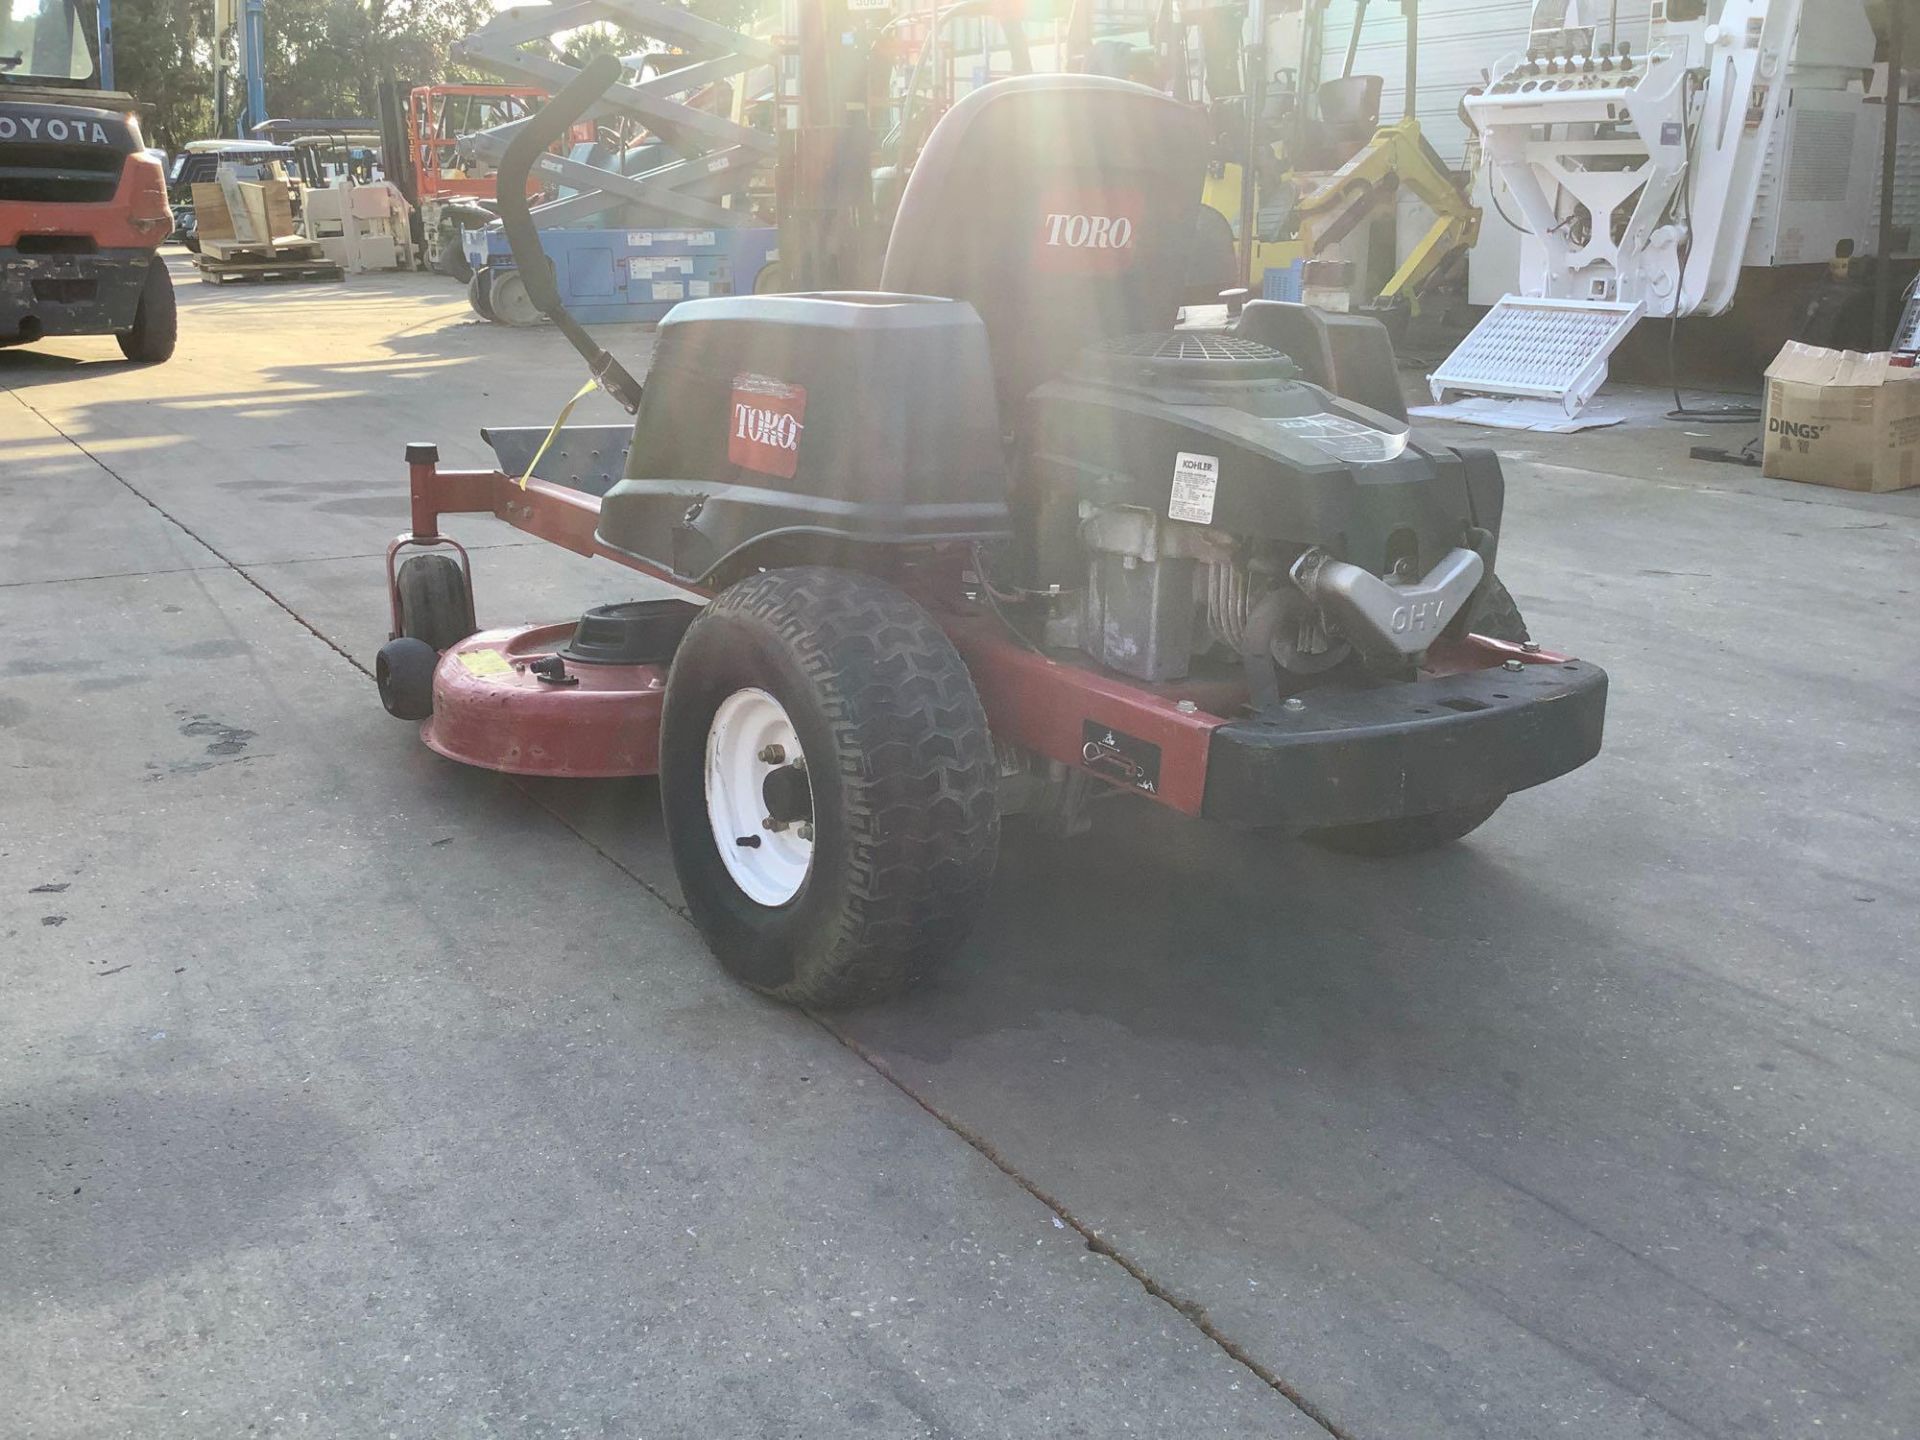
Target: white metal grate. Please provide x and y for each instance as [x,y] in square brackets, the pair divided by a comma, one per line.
[1540,349]
[1187,345]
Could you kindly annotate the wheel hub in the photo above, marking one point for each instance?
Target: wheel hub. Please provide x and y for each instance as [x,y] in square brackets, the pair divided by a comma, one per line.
[759,799]
[787,795]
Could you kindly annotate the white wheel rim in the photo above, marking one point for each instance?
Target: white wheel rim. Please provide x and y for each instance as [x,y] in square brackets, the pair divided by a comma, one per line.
[746,729]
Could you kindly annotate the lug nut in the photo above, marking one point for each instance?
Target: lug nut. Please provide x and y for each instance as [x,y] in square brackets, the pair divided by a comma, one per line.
[1532,647]
[772,824]
[1186,707]
[773,755]
[1294,702]
[1515,665]
[804,830]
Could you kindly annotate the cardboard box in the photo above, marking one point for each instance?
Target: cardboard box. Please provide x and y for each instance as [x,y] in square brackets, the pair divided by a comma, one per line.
[1840,418]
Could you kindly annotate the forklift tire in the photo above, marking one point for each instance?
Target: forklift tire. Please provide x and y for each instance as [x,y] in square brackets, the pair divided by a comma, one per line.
[894,773]
[436,602]
[156,322]
[479,288]
[1498,618]
[404,672]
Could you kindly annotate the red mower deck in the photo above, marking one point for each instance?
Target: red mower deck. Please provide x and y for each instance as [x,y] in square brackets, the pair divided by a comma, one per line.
[491,709]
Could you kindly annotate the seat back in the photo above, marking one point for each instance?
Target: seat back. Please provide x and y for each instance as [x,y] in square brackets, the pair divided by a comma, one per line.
[1346,113]
[1061,207]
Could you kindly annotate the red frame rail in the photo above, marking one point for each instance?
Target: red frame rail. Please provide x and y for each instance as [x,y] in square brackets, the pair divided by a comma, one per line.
[1032,700]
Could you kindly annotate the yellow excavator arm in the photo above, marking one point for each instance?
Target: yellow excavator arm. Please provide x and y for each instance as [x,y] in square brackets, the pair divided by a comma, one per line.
[1398,156]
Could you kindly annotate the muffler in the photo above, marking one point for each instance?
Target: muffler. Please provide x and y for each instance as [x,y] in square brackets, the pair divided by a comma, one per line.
[1384,619]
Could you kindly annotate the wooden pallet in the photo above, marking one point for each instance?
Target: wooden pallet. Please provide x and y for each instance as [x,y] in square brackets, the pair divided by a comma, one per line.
[314,266]
[286,247]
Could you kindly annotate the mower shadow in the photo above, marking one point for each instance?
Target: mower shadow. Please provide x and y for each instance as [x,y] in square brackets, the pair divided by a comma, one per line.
[1178,931]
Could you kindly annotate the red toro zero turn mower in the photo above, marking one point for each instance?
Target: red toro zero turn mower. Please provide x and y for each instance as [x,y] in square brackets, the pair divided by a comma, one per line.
[995,540]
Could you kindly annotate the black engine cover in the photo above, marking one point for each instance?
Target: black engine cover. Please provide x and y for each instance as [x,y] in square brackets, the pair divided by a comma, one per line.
[849,419]
[1286,461]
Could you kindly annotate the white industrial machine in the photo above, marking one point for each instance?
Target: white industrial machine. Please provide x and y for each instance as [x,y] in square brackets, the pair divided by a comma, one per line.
[1648,175]
[360,224]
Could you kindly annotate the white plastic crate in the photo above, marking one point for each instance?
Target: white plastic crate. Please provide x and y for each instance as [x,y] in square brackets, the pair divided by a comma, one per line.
[1538,349]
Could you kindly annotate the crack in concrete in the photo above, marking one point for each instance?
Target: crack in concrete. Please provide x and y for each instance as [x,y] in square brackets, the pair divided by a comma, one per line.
[1190,1310]
[587,840]
[109,575]
[192,534]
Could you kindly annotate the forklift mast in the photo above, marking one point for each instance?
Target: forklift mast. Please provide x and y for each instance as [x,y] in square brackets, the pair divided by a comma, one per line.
[823,177]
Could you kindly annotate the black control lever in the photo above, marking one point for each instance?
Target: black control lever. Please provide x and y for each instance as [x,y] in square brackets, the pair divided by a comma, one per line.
[529,142]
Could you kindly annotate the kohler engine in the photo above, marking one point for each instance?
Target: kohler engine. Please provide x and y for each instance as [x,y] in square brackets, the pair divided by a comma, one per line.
[1192,495]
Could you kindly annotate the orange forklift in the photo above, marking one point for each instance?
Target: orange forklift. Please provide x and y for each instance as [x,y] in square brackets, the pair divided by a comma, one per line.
[449,192]
[83,203]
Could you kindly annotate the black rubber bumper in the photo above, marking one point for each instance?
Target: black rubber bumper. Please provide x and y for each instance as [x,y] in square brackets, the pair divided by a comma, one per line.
[70,294]
[1347,757]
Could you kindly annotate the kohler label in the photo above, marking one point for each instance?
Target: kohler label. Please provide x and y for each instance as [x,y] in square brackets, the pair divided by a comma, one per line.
[1195,480]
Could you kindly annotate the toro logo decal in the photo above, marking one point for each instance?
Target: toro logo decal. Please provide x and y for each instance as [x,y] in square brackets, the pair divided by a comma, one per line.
[764,425]
[1087,231]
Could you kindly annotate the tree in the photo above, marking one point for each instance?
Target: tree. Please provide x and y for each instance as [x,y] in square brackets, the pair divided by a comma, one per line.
[163,55]
[328,57]
[325,58]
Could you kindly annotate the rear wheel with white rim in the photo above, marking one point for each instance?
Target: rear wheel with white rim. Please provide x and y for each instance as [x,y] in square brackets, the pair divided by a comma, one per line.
[828,785]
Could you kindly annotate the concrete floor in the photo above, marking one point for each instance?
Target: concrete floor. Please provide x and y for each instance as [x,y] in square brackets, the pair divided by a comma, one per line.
[345,1091]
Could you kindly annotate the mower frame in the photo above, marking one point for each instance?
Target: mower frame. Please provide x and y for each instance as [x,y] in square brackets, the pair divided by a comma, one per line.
[1052,707]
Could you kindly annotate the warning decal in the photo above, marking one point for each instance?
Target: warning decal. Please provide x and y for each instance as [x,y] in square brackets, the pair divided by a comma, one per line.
[1343,438]
[1117,756]
[485,662]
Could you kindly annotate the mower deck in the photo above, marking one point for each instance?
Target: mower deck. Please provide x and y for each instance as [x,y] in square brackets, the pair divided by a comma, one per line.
[491,708]
[1485,718]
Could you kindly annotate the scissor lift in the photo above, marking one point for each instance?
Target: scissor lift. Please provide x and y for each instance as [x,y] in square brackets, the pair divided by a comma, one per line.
[704,156]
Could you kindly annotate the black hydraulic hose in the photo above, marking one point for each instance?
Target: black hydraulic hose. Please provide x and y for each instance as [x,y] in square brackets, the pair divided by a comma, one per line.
[529,143]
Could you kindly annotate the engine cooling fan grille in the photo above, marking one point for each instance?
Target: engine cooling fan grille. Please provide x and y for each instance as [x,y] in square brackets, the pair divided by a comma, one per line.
[1187,345]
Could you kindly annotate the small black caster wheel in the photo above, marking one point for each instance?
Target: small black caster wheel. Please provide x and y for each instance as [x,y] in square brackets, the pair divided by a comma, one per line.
[436,600]
[404,672]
